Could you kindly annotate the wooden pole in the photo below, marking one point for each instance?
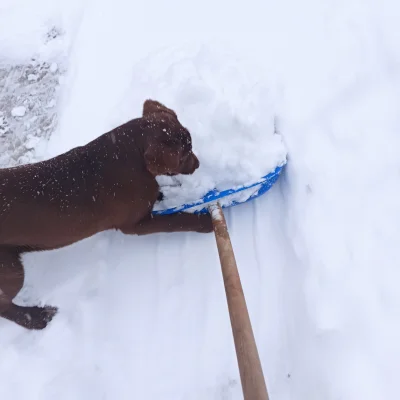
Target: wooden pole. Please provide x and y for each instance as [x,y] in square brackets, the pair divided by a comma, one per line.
[251,374]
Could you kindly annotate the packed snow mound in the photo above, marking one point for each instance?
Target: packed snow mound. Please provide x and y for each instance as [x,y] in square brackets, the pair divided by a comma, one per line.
[29,95]
[30,86]
[228,111]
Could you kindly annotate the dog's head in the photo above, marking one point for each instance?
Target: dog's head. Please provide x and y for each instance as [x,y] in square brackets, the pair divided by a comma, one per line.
[169,145]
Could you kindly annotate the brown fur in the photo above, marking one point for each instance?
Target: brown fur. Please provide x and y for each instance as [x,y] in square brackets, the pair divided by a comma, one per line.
[107,184]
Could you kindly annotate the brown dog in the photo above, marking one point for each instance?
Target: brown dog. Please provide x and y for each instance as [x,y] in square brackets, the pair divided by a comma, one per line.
[107,184]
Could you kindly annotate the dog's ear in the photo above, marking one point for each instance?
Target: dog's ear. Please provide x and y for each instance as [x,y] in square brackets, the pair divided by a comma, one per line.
[154,107]
[161,161]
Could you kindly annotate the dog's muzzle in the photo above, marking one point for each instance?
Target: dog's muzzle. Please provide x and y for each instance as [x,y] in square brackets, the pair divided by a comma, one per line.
[190,164]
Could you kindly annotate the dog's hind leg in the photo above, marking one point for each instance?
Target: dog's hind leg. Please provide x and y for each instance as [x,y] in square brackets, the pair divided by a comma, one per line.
[11,282]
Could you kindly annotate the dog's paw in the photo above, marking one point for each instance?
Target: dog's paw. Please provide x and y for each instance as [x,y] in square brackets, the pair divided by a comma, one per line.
[30,317]
[38,317]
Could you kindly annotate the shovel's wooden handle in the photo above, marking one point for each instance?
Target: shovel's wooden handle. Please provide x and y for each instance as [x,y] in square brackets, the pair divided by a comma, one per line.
[251,374]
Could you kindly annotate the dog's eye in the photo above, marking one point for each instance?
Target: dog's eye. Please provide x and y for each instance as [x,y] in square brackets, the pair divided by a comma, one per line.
[172,142]
[185,140]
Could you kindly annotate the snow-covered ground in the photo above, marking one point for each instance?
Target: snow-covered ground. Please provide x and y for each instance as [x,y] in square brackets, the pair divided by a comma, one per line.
[146,317]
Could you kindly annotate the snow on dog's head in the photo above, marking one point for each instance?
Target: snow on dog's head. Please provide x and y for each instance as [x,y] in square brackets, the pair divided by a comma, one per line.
[169,144]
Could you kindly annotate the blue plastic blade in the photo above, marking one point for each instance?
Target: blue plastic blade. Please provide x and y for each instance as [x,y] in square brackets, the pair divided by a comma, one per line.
[264,184]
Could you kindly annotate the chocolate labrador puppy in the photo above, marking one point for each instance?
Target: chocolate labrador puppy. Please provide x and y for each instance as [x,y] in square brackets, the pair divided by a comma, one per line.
[107,184]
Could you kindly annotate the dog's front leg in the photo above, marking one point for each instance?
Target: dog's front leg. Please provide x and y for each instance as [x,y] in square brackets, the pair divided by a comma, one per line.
[181,222]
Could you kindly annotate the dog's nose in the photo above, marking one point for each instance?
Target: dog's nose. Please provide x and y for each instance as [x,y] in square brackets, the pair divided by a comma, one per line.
[191,164]
[196,162]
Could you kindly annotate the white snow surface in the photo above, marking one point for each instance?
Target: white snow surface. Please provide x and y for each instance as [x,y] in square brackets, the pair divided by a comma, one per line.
[146,317]
[18,111]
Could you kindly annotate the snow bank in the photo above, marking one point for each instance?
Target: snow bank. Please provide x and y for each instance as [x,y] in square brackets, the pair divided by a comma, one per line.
[34,49]
[28,28]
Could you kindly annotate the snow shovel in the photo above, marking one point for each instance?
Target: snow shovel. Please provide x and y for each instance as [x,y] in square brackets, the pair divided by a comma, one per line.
[250,369]
[251,374]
